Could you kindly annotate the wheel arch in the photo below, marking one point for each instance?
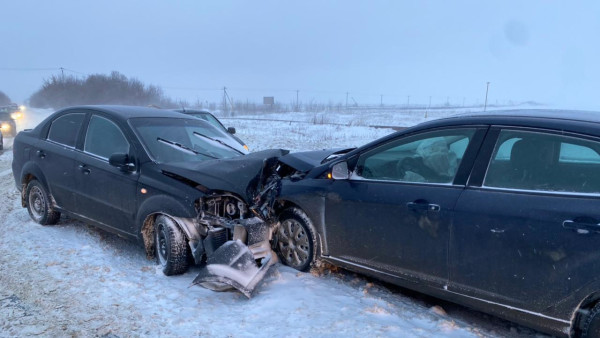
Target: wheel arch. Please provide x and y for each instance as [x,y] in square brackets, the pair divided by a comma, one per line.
[317,240]
[314,209]
[582,310]
[154,206]
[29,173]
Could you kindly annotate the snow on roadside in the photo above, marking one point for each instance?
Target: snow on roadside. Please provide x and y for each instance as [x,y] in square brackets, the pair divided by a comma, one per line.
[71,279]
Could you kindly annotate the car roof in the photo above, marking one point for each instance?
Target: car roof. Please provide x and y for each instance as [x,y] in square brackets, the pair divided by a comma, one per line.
[574,121]
[193,111]
[127,112]
[524,114]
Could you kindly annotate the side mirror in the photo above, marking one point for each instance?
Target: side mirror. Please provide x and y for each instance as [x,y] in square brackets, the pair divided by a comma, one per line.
[231,130]
[121,161]
[339,171]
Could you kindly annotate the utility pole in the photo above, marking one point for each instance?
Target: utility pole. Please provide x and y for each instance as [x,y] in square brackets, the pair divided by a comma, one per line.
[297,106]
[428,106]
[487,88]
[225,100]
[346,100]
[62,71]
[381,102]
[407,101]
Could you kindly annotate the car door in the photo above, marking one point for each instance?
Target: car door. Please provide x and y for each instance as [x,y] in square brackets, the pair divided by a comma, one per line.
[526,234]
[55,155]
[395,212]
[106,194]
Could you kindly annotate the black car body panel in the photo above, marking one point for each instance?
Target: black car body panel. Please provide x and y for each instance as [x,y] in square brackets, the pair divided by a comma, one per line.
[307,160]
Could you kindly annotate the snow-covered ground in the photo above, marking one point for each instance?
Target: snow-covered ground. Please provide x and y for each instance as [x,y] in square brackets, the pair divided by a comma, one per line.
[74,280]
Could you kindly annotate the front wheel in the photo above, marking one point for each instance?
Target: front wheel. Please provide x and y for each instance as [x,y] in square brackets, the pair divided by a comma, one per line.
[590,327]
[38,204]
[295,239]
[171,246]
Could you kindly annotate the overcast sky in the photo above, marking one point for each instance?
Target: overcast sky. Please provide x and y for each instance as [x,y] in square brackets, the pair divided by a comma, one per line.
[546,51]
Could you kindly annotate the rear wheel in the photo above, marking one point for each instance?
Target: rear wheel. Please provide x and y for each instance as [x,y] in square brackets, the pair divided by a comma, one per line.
[295,239]
[171,246]
[38,204]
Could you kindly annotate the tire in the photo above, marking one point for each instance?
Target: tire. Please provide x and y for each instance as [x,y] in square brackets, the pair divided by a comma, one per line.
[171,246]
[38,204]
[590,328]
[294,242]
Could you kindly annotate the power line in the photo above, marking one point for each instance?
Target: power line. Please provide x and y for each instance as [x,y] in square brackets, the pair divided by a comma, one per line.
[28,69]
[73,71]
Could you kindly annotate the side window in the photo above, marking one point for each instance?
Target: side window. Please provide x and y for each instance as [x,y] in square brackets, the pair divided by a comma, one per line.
[104,138]
[544,162]
[575,153]
[64,130]
[431,157]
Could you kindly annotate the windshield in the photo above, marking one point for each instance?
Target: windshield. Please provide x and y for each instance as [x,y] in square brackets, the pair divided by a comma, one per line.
[208,118]
[174,140]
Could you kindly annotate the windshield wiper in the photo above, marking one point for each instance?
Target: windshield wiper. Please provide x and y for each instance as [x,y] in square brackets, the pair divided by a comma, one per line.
[218,141]
[183,148]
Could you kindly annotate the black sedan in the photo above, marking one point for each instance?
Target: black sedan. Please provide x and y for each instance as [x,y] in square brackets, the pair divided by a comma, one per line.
[171,181]
[497,211]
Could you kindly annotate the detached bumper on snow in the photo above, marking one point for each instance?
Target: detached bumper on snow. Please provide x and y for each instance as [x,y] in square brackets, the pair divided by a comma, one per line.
[234,266]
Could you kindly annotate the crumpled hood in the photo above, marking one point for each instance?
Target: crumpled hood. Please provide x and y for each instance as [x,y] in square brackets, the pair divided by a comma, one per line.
[239,175]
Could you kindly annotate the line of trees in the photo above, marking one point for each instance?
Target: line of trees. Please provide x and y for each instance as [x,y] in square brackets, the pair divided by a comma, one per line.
[4,99]
[62,91]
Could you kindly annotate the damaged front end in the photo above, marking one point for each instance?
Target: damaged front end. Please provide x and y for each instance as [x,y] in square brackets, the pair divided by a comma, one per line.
[237,216]
[236,238]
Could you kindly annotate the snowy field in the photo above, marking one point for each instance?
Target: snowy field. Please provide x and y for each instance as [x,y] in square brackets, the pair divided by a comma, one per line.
[74,280]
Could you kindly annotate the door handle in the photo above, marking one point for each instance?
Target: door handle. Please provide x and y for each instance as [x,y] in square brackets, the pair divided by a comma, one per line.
[423,206]
[84,169]
[585,226]
[40,154]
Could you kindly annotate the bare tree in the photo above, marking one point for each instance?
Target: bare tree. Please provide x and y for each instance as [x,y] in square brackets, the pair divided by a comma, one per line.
[4,99]
[116,88]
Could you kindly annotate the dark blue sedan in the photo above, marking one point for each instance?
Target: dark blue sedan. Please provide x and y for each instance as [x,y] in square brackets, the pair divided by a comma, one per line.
[497,211]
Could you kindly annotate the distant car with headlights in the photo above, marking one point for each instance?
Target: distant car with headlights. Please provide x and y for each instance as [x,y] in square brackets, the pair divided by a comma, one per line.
[8,116]
[210,118]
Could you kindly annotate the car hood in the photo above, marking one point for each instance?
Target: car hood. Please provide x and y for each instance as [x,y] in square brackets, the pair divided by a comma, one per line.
[239,175]
[243,175]
[306,160]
